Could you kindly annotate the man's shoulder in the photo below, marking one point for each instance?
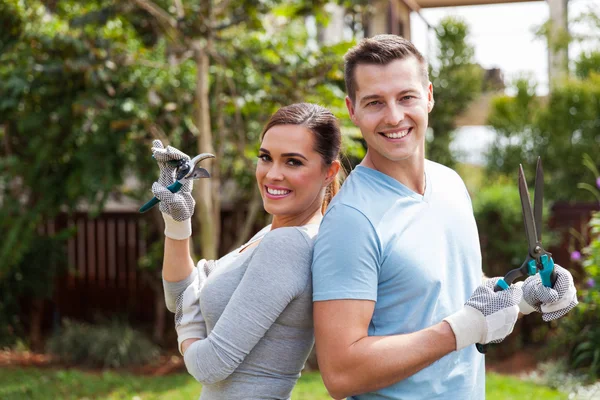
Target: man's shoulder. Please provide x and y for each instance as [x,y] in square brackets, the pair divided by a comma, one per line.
[440,173]
[361,192]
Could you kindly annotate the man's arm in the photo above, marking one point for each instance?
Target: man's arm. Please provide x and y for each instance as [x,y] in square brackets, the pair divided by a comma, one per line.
[351,362]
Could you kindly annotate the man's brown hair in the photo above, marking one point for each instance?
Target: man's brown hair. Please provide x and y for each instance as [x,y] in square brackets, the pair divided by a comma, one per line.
[379,50]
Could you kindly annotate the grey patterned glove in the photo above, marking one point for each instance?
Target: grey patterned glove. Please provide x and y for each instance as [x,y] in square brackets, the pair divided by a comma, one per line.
[189,322]
[487,317]
[177,208]
[554,302]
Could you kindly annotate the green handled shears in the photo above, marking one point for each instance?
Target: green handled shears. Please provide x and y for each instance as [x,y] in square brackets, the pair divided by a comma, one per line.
[538,259]
[186,170]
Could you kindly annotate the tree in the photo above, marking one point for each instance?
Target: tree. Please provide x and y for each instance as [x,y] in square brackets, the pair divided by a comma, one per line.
[560,128]
[457,80]
[84,88]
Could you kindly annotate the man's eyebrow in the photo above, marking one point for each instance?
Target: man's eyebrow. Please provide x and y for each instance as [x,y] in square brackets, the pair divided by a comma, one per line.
[369,97]
[377,96]
[284,154]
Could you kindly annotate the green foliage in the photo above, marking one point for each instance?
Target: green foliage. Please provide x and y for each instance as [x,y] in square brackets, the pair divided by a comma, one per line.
[86,86]
[580,329]
[559,128]
[457,80]
[587,64]
[497,209]
[560,131]
[111,344]
[33,279]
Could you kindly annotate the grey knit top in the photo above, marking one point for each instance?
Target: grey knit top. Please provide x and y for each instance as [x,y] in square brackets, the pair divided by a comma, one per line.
[257,305]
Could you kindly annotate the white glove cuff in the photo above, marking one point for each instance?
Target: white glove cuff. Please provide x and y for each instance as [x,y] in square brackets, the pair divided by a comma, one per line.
[178,230]
[196,330]
[524,307]
[469,327]
[563,303]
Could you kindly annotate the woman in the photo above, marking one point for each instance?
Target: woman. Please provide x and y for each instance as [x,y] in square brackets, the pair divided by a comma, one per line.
[246,330]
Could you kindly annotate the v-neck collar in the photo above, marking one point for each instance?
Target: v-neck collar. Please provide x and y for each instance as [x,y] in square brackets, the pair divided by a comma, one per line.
[397,186]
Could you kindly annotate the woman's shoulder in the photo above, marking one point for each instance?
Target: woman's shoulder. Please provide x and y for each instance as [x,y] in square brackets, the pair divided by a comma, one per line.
[293,236]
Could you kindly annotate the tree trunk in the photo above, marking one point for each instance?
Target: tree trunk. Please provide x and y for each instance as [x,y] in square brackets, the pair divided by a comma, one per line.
[158,335]
[35,328]
[204,188]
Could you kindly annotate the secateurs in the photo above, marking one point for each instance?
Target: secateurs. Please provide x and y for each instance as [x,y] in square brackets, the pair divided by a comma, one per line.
[186,170]
[538,259]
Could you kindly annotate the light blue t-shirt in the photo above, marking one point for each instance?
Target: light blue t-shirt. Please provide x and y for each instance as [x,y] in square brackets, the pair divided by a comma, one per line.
[417,256]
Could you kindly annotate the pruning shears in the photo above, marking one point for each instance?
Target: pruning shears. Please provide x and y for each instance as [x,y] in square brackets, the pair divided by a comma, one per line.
[186,170]
[538,259]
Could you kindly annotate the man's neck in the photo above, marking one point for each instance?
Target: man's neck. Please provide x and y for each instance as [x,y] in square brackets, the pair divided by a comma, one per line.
[409,172]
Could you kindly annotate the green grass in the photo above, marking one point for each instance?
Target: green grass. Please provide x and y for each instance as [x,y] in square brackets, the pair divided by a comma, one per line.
[37,384]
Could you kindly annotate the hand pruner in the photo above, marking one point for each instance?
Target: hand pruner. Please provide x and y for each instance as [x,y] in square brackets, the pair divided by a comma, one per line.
[538,259]
[186,170]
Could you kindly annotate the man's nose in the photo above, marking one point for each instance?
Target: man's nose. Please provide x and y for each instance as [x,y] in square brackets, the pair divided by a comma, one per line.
[394,114]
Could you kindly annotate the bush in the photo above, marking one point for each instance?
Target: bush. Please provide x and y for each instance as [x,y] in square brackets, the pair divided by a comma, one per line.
[580,329]
[110,344]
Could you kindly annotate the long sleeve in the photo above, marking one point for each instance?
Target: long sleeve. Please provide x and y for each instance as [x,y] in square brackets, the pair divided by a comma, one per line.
[278,272]
[173,290]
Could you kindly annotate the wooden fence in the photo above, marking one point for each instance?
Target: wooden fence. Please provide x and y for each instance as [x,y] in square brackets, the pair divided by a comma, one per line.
[103,256]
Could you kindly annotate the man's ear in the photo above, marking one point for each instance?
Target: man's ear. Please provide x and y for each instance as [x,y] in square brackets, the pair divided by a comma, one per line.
[430,100]
[350,108]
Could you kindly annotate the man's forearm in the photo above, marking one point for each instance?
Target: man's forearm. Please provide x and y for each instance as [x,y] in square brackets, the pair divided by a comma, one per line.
[375,362]
[177,262]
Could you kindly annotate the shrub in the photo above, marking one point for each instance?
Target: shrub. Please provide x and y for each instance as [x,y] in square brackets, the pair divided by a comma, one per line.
[579,331]
[109,344]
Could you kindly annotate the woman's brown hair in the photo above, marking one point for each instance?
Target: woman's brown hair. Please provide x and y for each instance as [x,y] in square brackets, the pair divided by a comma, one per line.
[325,128]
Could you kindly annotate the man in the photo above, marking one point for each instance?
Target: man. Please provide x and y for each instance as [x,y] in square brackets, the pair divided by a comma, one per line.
[398,299]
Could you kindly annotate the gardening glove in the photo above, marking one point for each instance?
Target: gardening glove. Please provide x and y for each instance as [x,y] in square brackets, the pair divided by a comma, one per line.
[553,302]
[177,208]
[487,317]
[189,322]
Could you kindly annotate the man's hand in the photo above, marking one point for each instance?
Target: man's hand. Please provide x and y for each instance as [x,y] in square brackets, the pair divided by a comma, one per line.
[487,317]
[554,302]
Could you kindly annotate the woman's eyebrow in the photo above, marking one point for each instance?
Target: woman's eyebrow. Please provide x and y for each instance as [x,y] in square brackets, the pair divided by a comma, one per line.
[284,154]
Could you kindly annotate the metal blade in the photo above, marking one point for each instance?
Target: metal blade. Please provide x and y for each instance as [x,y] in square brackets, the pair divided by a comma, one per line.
[198,173]
[527,213]
[538,200]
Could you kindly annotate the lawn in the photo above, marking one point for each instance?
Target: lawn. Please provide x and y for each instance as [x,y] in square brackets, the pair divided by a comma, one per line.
[36,384]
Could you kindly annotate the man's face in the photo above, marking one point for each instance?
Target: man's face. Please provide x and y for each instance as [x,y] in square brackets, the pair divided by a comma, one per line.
[391,109]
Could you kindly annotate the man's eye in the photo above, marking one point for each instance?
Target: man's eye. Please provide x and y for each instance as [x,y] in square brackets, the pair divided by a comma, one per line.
[373,103]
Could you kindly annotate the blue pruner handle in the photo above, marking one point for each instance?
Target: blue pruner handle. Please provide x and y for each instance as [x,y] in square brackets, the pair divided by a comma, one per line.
[173,188]
[547,273]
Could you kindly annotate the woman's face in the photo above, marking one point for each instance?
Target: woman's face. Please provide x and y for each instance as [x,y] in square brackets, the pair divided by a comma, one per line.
[290,174]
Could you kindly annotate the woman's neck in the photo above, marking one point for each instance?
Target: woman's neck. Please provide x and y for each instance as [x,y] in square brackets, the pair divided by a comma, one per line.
[297,220]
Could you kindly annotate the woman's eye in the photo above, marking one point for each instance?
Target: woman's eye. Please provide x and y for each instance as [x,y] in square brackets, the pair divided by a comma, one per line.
[264,157]
[294,162]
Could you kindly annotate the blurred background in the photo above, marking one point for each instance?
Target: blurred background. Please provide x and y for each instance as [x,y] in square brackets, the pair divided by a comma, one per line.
[85,86]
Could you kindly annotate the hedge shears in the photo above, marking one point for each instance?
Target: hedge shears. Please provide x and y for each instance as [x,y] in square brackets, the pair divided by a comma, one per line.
[538,259]
[186,170]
